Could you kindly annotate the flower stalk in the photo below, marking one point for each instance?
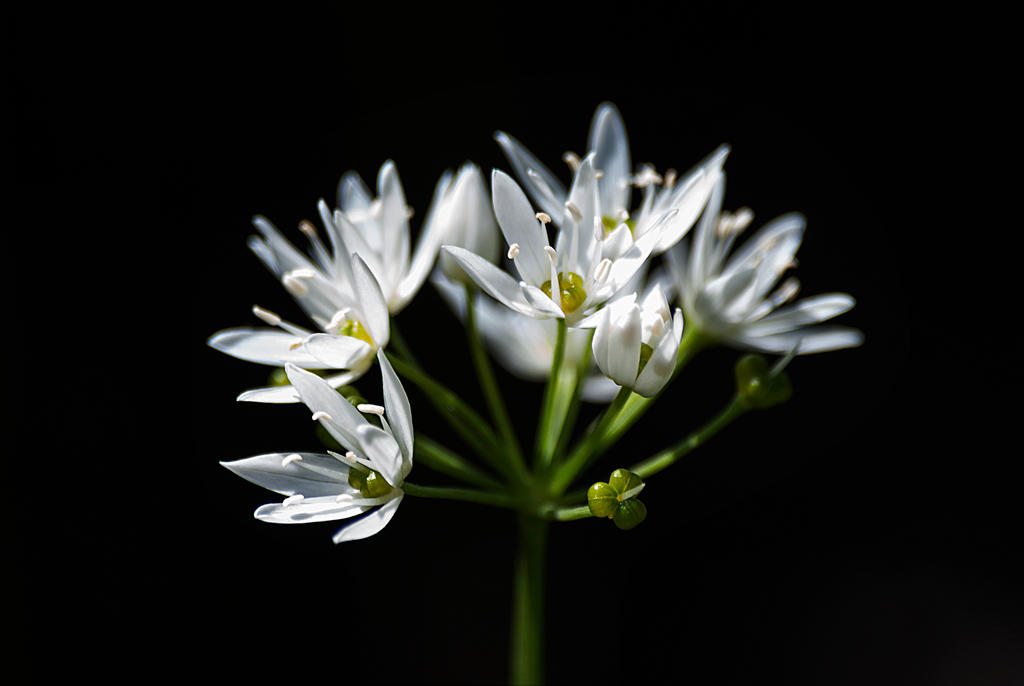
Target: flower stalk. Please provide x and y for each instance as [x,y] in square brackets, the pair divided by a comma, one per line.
[527,658]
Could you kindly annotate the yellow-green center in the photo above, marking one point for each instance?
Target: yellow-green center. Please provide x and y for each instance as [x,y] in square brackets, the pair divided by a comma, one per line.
[645,356]
[570,288]
[355,329]
[611,223]
[369,483]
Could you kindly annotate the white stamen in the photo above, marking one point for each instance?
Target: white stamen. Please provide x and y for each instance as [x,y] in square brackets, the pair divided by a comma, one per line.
[294,285]
[369,408]
[604,268]
[343,497]
[297,344]
[307,228]
[544,218]
[513,251]
[294,457]
[266,315]
[598,174]
[409,212]
[551,254]
[646,177]
[574,211]
[293,499]
[670,178]
[742,217]
[599,231]
[350,455]
[339,318]
[320,414]
[571,159]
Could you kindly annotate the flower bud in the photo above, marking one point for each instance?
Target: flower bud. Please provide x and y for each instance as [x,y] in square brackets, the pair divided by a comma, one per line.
[757,386]
[602,499]
[629,514]
[467,220]
[623,480]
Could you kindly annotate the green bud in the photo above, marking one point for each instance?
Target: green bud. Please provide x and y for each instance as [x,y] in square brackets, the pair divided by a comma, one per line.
[278,377]
[623,480]
[629,514]
[602,499]
[357,477]
[756,385]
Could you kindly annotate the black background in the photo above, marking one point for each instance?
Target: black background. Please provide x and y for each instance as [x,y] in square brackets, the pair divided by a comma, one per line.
[868,531]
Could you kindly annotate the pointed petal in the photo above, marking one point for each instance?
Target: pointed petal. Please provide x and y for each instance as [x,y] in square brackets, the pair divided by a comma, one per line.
[624,347]
[611,156]
[265,346]
[802,313]
[374,309]
[370,524]
[313,475]
[319,509]
[399,413]
[491,279]
[342,419]
[549,196]
[337,352]
[287,394]
[380,448]
[394,223]
[519,225]
[814,339]
[659,367]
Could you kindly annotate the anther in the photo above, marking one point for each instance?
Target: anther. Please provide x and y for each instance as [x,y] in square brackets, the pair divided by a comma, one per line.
[670,178]
[343,497]
[598,174]
[409,212]
[293,284]
[266,315]
[544,218]
[604,268]
[742,217]
[369,408]
[293,499]
[339,318]
[297,344]
[646,177]
[571,159]
[574,211]
[513,251]
[320,414]
[307,228]
[294,457]
[551,253]
[350,455]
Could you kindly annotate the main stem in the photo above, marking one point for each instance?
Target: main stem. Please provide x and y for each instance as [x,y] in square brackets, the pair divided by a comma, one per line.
[528,605]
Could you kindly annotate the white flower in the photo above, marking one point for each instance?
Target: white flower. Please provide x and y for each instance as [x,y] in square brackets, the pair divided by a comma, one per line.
[338,292]
[523,345]
[635,344]
[378,230]
[583,270]
[322,488]
[730,299]
[466,219]
[608,144]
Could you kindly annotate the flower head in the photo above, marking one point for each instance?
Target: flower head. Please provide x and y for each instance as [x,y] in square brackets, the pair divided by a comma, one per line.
[635,343]
[326,487]
[730,297]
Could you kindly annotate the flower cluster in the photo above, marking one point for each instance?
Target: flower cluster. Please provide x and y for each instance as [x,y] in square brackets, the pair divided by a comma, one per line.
[577,286]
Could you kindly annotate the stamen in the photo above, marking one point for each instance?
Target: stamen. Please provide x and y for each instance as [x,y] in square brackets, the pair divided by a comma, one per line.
[293,499]
[544,218]
[294,457]
[266,315]
[308,229]
[293,284]
[513,251]
[339,318]
[343,497]
[369,408]
[297,344]
[320,414]
[742,218]
[574,211]
[409,212]
[646,177]
[599,230]
[670,178]
[604,268]
[598,174]
[551,254]
[350,455]
[571,159]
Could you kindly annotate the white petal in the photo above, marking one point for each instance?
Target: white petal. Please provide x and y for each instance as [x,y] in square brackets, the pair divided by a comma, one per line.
[313,475]
[320,396]
[399,413]
[522,162]
[266,346]
[370,524]
[814,339]
[542,305]
[320,509]
[371,301]
[287,394]
[624,347]
[380,448]
[802,313]
[491,279]
[519,224]
[598,388]
[690,196]
[394,223]
[659,366]
[337,352]
[608,141]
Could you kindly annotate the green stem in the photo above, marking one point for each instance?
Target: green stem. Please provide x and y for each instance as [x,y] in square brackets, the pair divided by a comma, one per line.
[465,494]
[568,514]
[578,379]
[546,438]
[469,425]
[442,459]
[584,452]
[528,605]
[489,386]
[669,456]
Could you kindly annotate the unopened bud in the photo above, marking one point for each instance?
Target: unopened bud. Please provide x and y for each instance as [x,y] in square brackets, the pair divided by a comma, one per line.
[757,386]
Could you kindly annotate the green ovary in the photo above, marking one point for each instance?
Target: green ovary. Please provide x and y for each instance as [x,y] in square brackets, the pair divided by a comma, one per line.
[355,329]
[570,287]
[369,483]
[611,223]
[645,356]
